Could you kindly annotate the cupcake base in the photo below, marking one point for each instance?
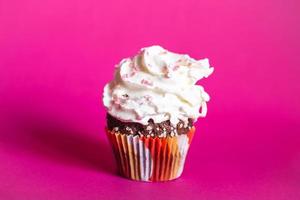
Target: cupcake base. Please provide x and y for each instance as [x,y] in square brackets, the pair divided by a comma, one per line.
[150,158]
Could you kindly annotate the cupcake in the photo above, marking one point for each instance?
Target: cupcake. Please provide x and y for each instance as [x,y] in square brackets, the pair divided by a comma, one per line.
[152,104]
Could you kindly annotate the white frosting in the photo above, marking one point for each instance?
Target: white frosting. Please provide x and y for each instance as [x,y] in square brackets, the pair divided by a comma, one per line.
[157,84]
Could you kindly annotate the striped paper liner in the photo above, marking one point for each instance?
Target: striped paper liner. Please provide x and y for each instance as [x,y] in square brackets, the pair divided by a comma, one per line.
[150,159]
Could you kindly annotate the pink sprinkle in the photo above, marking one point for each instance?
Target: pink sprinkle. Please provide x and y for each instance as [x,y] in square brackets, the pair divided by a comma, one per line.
[164,52]
[165,70]
[131,65]
[146,82]
[132,73]
[176,67]
[118,107]
[124,76]
[135,68]
[148,98]
[116,99]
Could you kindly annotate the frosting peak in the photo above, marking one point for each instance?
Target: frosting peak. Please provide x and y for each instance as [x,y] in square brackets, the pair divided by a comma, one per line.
[157,84]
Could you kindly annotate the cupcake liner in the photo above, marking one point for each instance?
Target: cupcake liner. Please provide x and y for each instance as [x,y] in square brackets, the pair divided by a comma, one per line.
[150,159]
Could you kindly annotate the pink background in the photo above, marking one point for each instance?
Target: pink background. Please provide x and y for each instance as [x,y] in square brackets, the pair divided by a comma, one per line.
[56,56]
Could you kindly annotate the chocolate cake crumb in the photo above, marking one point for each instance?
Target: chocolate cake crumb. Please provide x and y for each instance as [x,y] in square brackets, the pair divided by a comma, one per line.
[152,129]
